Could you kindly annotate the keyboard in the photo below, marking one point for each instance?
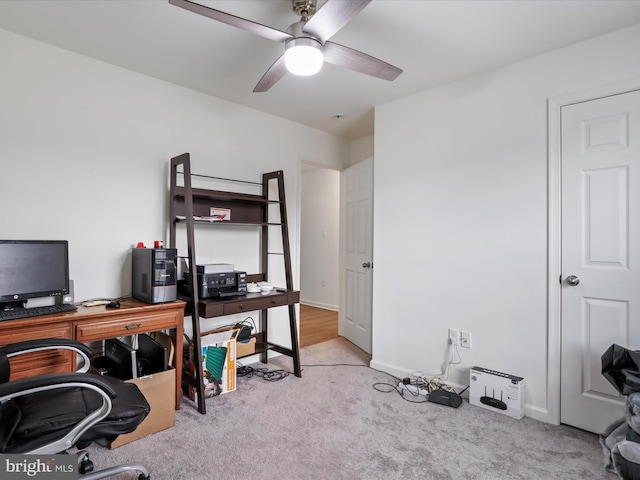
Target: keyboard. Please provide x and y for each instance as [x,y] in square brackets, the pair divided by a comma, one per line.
[36,311]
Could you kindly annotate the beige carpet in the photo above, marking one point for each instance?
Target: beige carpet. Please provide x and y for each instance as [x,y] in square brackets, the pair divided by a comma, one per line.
[332,424]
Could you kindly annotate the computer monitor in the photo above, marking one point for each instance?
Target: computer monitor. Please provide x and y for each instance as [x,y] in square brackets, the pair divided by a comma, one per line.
[32,269]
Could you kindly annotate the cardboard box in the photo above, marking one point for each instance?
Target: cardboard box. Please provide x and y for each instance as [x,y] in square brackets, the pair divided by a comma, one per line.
[496,391]
[244,349]
[159,390]
[225,337]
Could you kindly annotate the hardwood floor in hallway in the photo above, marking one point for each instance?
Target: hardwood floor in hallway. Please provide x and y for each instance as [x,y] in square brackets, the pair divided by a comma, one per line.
[317,325]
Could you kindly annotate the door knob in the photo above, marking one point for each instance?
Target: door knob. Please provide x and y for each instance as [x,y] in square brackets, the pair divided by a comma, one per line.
[572,280]
[366,265]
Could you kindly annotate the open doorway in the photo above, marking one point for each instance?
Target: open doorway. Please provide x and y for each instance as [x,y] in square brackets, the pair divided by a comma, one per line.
[319,253]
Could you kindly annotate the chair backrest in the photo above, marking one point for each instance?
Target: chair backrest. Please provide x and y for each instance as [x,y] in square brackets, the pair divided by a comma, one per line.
[5,367]
[10,416]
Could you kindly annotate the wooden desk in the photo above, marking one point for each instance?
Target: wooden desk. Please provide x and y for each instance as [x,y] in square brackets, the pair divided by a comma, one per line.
[89,324]
[216,307]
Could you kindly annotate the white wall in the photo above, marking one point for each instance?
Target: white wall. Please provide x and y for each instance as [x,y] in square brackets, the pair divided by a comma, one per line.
[84,154]
[461,214]
[319,238]
[361,150]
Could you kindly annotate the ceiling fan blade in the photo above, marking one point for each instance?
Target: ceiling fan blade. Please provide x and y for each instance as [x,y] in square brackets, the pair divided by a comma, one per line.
[275,73]
[360,62]
[332,16]
[248,25]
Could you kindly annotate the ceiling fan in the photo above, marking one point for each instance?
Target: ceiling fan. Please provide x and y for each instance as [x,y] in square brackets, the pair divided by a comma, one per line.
[306,41]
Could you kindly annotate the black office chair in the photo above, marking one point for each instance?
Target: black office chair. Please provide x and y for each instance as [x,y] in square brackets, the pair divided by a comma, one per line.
[51,413]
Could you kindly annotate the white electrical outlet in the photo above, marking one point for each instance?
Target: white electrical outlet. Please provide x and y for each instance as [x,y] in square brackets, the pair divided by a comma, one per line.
[465,339]
[454,336]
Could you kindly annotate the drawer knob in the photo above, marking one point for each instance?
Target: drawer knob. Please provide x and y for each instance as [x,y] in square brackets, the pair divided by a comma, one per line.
[133,326]
[241,307]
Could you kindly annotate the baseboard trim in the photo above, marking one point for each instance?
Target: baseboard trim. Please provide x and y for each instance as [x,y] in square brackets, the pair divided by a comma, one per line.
[390,369]
[325,306]
[537,413]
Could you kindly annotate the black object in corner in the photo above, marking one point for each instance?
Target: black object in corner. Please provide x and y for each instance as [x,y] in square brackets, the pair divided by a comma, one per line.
[444,397]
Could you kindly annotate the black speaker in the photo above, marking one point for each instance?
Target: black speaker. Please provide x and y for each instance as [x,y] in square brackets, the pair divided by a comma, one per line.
[68,298]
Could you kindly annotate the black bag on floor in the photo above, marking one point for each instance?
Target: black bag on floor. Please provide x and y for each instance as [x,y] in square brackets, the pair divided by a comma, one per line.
[621,367]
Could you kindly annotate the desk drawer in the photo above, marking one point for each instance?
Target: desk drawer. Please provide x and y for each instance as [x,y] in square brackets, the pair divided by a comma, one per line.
[125,325]
[258,303]
[37,363]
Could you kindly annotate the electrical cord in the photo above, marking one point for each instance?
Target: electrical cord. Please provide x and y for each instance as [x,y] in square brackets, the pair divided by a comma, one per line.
[348,365]
[379,386]
[451,362]
[400,391]
[251,323]
[264,373]
[435,382]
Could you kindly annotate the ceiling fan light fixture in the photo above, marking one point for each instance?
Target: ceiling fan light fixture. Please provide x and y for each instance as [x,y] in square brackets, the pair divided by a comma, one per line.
[303,56]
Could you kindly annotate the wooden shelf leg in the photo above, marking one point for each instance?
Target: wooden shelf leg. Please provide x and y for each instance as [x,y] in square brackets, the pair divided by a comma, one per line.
[295,348]
[264,320]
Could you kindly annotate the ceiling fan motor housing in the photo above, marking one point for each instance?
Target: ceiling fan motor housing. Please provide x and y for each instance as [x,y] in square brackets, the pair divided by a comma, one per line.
[295,29]
[304,8]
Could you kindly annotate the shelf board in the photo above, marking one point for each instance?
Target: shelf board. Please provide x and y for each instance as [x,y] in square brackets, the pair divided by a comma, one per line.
[229,222]
[221,196]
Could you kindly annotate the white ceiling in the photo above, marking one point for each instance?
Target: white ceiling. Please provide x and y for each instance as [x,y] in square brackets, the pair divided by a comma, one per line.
[434,42]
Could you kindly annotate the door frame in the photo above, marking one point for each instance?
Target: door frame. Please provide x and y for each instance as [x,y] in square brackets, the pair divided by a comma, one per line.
[302,160]
[554,294]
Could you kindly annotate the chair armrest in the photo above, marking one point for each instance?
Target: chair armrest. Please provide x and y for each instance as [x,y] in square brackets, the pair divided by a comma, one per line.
[52,381]
[28,346]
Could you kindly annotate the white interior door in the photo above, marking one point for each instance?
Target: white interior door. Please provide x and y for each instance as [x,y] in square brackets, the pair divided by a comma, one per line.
[357,213]
[600,251]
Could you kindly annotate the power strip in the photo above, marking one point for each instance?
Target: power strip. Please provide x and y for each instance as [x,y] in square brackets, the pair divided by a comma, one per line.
[412,389]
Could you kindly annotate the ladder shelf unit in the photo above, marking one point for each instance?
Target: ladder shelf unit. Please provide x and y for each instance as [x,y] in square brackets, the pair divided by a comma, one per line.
[188,205]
